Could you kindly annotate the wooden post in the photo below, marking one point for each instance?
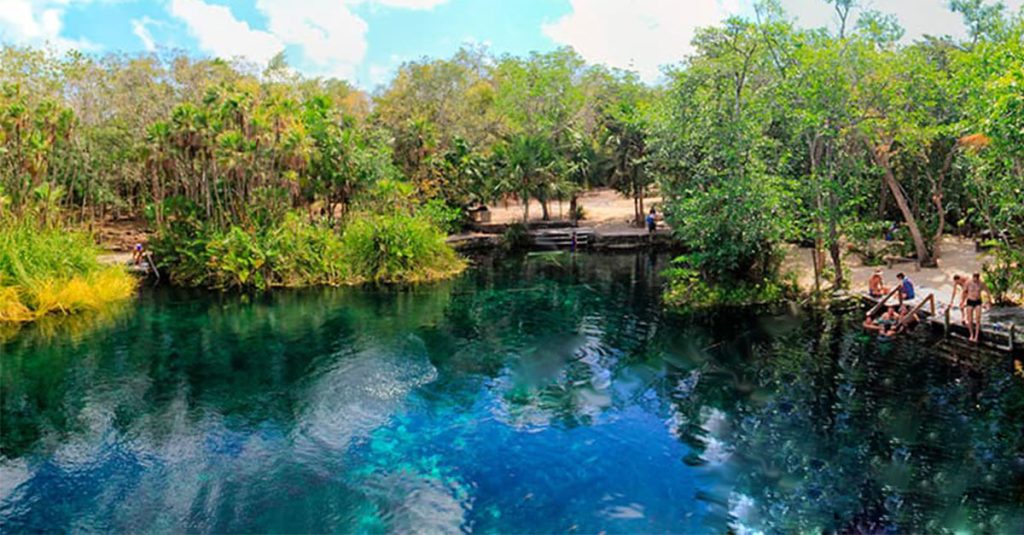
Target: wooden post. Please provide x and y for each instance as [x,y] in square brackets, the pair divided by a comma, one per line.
[945,323]
[1013,330]
[152,264]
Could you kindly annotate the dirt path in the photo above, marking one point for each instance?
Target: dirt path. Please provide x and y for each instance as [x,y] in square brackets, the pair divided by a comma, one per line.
[604,208]
[958,257]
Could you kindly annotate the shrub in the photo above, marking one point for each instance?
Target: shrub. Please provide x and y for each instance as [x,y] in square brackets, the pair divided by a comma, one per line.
[689,291]
[293,253]
[296,252]
[517,236]
[46,270]
[1005,276]
[398,248]
[447,218]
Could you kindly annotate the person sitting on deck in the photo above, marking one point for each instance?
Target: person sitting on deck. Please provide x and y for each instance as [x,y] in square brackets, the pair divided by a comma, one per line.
[961,283]
[906,287]
[138,254]
[652,222]
[973,292]
[875,287]
[886,324]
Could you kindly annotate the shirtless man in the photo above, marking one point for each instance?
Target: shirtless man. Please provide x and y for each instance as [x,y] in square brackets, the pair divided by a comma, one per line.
[960,282]
[973,294]
[886,324]
[875,287]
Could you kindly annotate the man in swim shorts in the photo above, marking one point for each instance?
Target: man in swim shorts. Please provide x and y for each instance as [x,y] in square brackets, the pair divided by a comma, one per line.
[973,292]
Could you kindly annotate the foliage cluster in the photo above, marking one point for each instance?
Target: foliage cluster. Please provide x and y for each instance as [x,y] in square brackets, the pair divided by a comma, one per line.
[766,133]
[771,133]
[46,269]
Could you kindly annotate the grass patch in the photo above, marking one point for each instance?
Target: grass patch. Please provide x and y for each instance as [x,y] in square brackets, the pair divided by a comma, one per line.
[49,270]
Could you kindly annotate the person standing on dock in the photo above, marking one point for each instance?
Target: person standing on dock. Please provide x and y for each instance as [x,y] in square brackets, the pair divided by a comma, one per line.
[961,283]
[652,221]
[973,292]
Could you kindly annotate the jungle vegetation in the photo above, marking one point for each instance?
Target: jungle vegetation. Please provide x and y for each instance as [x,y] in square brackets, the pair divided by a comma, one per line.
[766,134]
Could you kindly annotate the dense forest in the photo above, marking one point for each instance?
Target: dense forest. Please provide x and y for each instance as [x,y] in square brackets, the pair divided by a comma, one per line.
[255,176]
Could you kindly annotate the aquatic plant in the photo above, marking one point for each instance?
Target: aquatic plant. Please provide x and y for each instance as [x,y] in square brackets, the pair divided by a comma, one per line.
[46,270]
[398,248]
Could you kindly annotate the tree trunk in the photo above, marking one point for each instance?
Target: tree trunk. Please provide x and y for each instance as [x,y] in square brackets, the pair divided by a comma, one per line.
[937,193]
[640,214]
[881,157]
[544,210]
[572,210]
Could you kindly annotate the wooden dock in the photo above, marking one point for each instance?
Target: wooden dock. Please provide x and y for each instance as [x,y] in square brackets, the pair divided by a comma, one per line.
[1004,338]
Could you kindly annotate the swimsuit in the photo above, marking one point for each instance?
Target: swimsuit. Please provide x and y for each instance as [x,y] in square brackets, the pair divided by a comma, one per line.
[974,302]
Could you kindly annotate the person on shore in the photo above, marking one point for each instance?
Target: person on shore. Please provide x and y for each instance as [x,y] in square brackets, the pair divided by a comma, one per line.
[652,220]
[890,233]
[906,287]
[960,282]
[886,324]
[876,287]
[973,292]
[138,254]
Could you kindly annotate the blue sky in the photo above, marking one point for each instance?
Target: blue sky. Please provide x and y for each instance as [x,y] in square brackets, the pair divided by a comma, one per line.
[365,40]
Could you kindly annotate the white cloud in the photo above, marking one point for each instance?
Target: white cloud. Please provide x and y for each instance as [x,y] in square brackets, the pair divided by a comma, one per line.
[332,39]
[411,4]
[218,32]
[640,35]
[140,27]
[323,37]
[38,22]
[918,17]
[643,35]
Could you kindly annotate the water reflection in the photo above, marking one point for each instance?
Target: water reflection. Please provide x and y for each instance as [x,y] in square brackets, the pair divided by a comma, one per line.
[546,394]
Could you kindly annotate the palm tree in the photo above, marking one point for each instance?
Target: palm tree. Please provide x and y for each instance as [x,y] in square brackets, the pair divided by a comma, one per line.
[527,163]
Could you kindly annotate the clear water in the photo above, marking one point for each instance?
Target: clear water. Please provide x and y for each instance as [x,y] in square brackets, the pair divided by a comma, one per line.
[542,395]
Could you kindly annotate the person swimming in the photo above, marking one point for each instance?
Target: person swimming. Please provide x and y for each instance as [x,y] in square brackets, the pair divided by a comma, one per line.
[885,325]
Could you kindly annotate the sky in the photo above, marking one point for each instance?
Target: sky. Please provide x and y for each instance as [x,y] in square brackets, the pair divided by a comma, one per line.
[365,41]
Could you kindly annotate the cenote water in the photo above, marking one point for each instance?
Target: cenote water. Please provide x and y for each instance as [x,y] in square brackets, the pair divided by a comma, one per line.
[548,394]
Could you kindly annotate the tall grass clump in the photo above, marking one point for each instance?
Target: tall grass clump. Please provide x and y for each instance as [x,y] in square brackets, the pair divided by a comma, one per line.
[45,269]
[398,248]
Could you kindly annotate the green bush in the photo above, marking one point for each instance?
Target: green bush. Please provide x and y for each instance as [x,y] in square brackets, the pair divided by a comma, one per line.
[516,237]
[689,291]
[292,253]
[1005,276]
[447,218]
[398,248]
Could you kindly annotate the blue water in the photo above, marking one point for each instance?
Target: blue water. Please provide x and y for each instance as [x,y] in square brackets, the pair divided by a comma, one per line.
[549,394]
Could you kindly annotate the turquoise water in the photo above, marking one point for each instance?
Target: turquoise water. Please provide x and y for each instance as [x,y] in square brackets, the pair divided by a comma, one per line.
[549,394]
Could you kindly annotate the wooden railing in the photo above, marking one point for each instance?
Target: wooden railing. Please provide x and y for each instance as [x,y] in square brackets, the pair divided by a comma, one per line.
[913,311]
[881,302]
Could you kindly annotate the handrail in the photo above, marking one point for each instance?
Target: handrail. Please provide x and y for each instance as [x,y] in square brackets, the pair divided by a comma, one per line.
[929,299]
[152,265]
[878,306]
